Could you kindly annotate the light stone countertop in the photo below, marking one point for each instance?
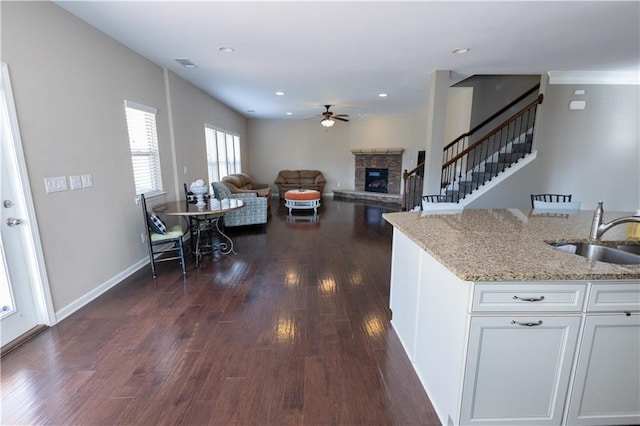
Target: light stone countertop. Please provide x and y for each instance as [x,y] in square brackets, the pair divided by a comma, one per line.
[512,244]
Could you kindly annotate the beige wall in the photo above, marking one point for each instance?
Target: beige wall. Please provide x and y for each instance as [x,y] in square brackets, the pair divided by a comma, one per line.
[191,110]
[304,144]
[69,83]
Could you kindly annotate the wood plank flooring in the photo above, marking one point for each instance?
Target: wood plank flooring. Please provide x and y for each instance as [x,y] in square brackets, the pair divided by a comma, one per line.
[292,330]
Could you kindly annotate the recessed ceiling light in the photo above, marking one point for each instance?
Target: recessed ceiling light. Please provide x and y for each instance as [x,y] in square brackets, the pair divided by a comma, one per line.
[185,62]
[289,113]
[280,93]
[225,49]
[461,50]
[382,95]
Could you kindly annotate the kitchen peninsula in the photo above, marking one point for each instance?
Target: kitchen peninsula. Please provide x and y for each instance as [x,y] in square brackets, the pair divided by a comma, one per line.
[504,328]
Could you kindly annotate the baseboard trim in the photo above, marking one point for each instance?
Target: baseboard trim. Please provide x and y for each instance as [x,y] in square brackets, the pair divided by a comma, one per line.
[98,291]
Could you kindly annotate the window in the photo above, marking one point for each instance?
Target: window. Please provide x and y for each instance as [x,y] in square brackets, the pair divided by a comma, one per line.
[223,153]
[143,142]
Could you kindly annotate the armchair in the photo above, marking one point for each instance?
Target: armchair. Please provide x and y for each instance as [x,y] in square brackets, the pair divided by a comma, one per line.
[243,183]
[253,212]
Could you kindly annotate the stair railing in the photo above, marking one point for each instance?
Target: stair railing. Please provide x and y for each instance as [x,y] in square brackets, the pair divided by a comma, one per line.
[493,148]
[412,192]
[457,153]
[462,141]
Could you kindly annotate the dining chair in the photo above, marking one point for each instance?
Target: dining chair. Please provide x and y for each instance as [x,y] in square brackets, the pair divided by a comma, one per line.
[435,198]
[439,204]
[550,198]
[161,240]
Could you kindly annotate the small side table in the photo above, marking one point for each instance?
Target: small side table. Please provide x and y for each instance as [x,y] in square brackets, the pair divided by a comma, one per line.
[302,199]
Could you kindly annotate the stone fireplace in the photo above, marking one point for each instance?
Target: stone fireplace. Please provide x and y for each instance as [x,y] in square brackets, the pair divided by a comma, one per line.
[381,163]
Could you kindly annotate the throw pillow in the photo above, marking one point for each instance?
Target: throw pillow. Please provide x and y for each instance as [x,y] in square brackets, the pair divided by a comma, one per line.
[156,223]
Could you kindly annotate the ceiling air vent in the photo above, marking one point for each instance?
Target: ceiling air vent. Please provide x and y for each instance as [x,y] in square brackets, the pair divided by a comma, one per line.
[185,62]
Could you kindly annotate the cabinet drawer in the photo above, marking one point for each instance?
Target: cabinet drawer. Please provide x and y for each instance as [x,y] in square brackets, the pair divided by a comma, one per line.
[614,296]
[527,297]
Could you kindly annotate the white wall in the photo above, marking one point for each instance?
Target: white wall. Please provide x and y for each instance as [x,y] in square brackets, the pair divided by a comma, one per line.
[69,83]
[593,154]
[304,144]
[459,105]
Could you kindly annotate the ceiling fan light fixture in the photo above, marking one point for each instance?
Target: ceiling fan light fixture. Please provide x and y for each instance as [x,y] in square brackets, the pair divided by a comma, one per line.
[327,122]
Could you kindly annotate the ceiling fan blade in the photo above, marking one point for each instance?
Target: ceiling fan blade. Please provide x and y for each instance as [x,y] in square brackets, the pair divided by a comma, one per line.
[341,115]
[337,117]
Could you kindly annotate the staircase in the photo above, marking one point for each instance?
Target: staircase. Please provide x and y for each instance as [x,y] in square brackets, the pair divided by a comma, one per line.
[470,162]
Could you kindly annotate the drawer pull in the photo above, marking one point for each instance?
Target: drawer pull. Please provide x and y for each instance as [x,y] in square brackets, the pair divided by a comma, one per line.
[529,299]
[527,324]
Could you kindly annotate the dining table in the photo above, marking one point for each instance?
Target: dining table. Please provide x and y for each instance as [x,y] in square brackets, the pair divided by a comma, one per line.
[210,219]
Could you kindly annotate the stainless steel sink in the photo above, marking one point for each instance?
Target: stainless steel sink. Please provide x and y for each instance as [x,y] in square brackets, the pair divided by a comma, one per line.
[635,249]
[622,254]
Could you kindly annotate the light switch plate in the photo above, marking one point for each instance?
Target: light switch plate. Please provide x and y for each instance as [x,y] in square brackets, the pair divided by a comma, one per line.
[87,181]
[55,184]
[76,182]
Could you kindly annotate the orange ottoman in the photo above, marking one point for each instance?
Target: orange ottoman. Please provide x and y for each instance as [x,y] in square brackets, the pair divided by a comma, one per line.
[302,199]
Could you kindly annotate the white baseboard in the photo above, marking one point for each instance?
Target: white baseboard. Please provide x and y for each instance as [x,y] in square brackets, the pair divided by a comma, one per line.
[101,289]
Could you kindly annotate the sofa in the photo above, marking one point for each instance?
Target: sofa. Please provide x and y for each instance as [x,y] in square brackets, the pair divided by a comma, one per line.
[242,183]
[255,210]
[299,179]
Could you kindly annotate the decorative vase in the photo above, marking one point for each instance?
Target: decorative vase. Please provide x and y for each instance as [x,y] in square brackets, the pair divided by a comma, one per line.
[199,188]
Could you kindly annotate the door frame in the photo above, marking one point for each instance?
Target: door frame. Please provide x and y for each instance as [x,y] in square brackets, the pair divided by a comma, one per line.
[42,301]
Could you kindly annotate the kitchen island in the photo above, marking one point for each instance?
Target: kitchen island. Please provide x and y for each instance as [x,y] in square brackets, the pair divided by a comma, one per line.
[504,328]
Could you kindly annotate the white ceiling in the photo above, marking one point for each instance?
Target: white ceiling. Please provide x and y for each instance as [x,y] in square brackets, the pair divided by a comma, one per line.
[346,53]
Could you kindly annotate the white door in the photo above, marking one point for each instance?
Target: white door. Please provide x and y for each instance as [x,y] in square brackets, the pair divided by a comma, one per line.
[20,274]
[17,311]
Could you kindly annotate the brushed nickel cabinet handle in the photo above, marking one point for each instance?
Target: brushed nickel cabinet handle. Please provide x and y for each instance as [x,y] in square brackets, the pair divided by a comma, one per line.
[529,299]
[527,324]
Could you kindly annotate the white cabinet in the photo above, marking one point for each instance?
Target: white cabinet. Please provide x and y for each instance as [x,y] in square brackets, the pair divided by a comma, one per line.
[515,353]
[518,369]
[542,296]
[606,387]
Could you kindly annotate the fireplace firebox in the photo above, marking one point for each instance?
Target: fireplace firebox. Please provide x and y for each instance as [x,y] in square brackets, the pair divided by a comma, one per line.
[376,180]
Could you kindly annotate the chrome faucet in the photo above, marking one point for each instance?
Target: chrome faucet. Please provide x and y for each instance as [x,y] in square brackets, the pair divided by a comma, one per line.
[598,227]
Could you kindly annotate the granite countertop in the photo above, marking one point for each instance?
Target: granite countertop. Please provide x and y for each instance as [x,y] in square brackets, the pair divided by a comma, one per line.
[512,244]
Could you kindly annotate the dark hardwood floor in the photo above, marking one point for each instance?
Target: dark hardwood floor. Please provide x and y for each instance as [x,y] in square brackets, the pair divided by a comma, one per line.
[292,330]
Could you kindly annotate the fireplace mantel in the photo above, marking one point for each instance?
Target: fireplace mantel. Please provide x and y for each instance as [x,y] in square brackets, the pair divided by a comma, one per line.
[378,151]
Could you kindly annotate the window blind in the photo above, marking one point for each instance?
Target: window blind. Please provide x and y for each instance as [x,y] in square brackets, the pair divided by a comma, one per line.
[223,153]
[143,143]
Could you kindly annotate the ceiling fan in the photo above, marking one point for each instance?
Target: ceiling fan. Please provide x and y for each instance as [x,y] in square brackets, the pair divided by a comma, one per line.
[328,118]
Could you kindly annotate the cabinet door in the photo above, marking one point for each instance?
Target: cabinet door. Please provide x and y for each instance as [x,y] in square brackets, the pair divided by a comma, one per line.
[607,383]
[518,369]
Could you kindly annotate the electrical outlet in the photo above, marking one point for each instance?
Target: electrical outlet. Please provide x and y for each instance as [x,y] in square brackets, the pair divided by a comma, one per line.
[76,182]
[87,181]
[143,237]
[56,184]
